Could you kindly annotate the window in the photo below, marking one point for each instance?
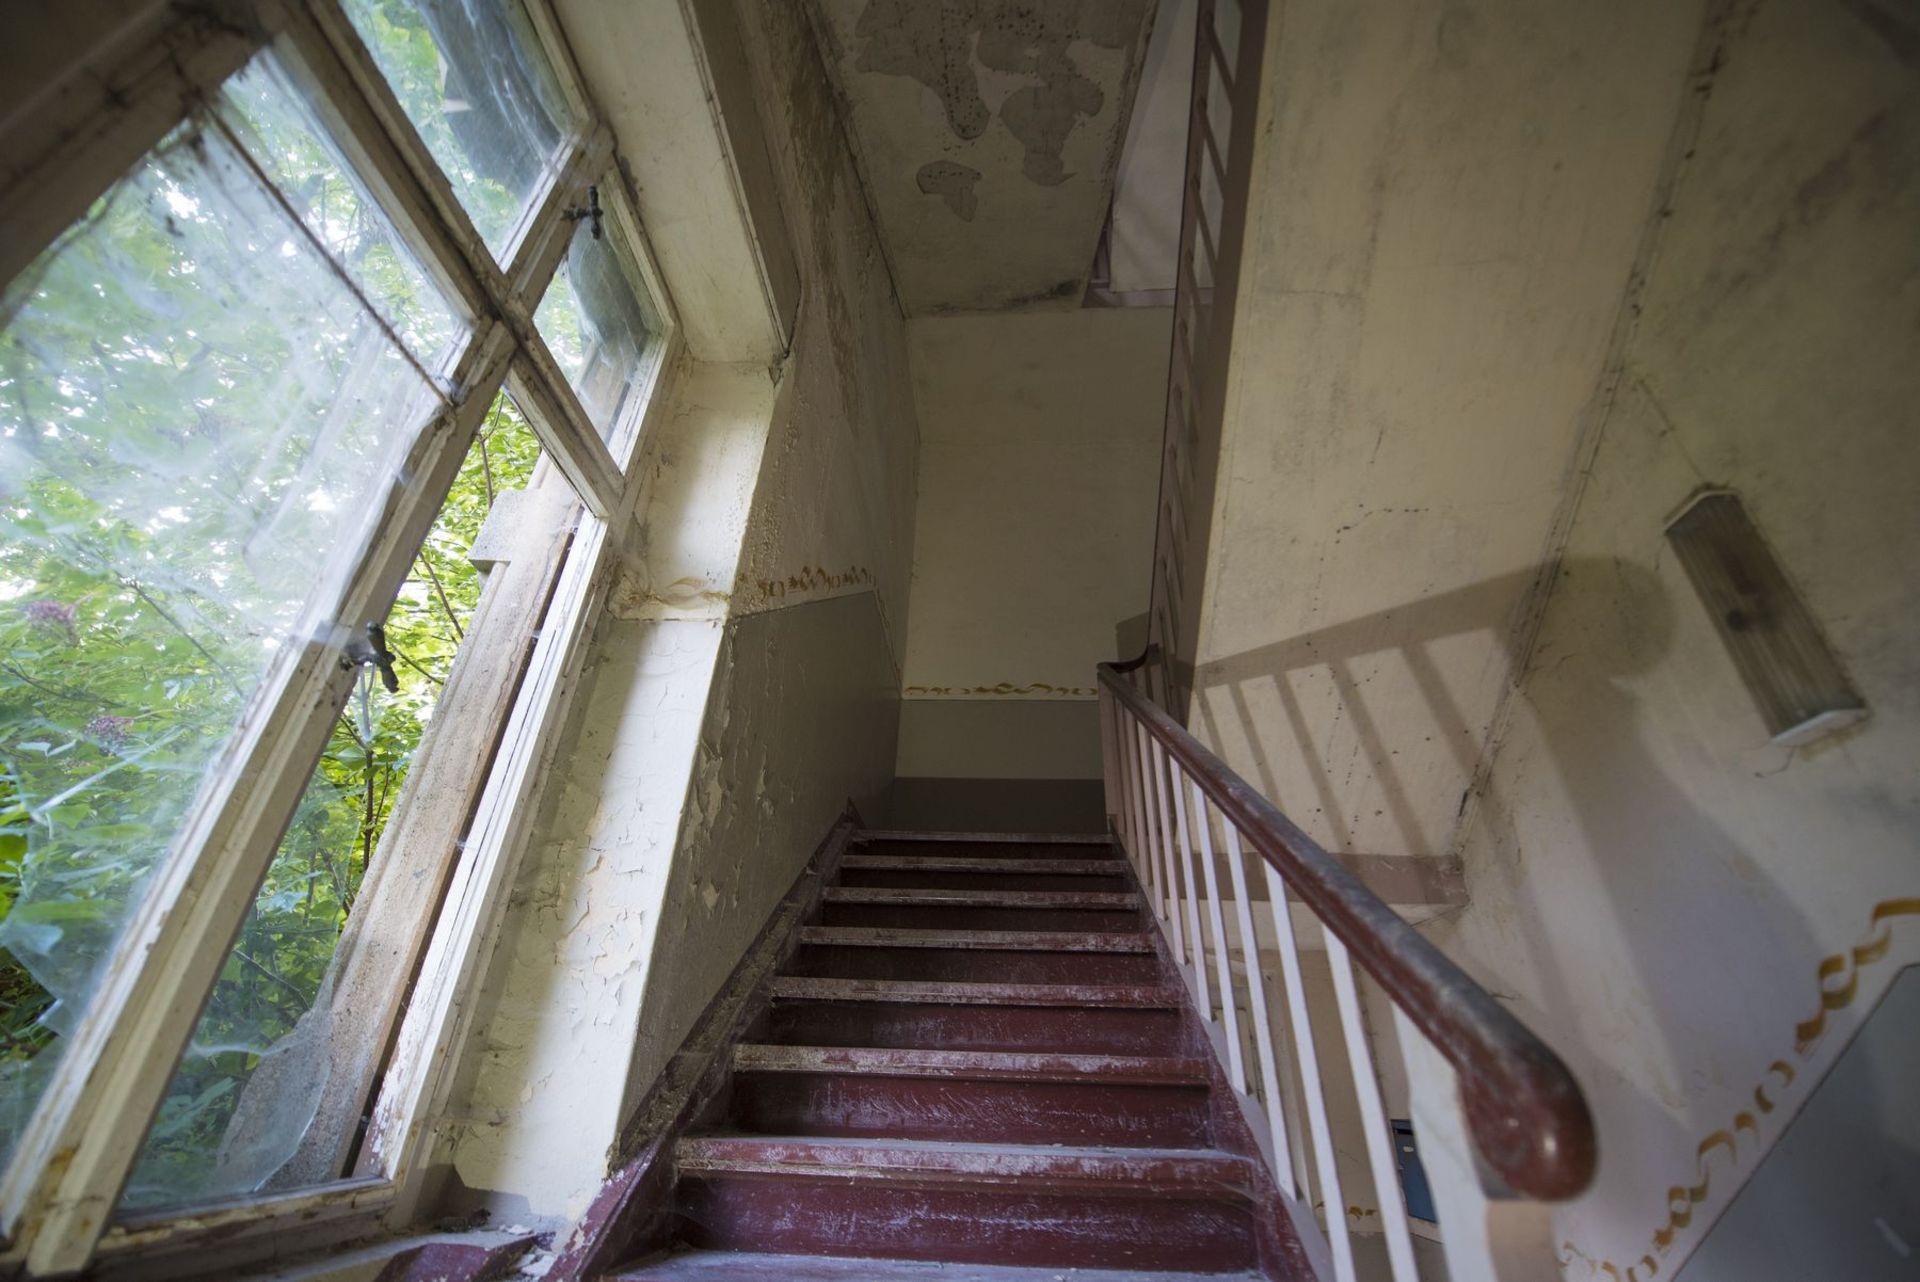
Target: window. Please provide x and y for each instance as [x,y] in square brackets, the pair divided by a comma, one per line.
[596,324]
[473,80]
[241,1110]
[253,439]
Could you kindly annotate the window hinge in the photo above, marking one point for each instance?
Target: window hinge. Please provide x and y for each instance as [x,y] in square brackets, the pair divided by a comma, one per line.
[373,653]
[590,211]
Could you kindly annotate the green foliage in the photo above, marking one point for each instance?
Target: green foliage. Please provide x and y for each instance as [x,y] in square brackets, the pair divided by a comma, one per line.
[193,411]
[487,161]
[275,972]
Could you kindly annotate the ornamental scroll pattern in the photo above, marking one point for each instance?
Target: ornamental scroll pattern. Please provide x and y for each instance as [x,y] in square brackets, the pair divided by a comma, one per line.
[1004,690]
[1838,979]
[806,583]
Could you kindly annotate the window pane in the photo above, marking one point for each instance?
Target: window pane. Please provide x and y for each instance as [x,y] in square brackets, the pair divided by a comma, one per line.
[221,1129]
[472,78]
[597,327]
[197,418]
[280,133]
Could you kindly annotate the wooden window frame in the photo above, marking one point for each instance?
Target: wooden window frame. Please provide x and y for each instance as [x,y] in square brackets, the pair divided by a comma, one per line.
[59,1193]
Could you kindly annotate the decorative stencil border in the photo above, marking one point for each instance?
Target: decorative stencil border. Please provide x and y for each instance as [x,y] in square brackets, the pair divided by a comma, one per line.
[1838,979]
[807,581]
[1003,690]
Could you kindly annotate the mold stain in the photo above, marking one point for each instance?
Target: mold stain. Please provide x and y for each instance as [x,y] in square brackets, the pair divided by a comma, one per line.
[954,183]
[940,44]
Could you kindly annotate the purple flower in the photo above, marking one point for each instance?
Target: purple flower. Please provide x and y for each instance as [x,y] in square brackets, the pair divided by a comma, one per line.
[53,616]
[109,731]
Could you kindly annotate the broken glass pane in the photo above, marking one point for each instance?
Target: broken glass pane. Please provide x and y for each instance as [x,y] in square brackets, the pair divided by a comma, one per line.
[245,1094]
[597,326]
[199,422]
[471,77]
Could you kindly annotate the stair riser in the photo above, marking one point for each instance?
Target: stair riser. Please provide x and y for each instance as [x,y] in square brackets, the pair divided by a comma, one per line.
[960,917]
[954,879]
[967,1224]
[924,1108]
[990,849]
[1060,1030]
[979,965]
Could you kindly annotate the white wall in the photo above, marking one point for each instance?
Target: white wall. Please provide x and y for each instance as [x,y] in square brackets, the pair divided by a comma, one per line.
[1839,1195]
[1477,334]
[1039,459]
[1430,281]
[1655,883]
[743,687]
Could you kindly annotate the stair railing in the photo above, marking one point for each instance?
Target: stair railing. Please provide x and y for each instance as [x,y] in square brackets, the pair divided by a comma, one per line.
[1502,1126]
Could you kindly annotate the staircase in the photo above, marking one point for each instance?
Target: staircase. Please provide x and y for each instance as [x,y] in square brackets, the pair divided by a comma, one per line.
[976,1056]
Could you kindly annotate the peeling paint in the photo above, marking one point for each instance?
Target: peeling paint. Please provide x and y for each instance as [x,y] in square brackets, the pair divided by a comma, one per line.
[937,45]
[1010,112]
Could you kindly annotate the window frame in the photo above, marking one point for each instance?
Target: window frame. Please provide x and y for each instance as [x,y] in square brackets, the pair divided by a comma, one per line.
[59,1192]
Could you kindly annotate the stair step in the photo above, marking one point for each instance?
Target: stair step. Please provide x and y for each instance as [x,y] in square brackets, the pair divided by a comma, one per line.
[987,838]
[969,864]
[1170,1172]
[1139,1070]
[927,898]
[1082,1207]
[1088,1030]
[975,965]
[942,873]
[1064,941]
[985,845]
[748,1266]
[918,1094]
[879,906]
[953,993]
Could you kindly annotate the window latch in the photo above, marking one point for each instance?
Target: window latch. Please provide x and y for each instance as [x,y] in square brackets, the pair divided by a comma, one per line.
[590,211]
[373,653]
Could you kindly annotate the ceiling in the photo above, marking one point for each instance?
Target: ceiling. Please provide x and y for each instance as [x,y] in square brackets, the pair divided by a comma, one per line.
[987,133]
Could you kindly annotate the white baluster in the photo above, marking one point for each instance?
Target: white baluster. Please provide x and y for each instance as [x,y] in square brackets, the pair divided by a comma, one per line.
[1175,882]
[1156,814]
[1187,856]
[1223,958]
[1130,794]
[1109,767]
[1373,1118]
[1150,845]
[1301,1021]
[1273,1093]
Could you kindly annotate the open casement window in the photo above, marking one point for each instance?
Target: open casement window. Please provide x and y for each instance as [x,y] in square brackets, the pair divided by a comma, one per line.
[291,580]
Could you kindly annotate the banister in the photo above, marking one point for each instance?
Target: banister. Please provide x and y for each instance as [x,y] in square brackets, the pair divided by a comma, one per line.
[1527,1115]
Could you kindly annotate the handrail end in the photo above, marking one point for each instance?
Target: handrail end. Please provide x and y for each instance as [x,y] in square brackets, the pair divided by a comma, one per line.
[1540,1142]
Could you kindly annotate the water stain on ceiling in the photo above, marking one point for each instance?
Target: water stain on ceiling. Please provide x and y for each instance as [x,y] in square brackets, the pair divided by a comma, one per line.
[987,132]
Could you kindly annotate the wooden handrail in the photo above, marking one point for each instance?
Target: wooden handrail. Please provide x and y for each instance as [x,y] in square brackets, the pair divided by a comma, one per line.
[1526,1113]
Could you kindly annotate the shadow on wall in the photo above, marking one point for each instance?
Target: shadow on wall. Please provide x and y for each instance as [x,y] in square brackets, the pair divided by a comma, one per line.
[1617,902]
